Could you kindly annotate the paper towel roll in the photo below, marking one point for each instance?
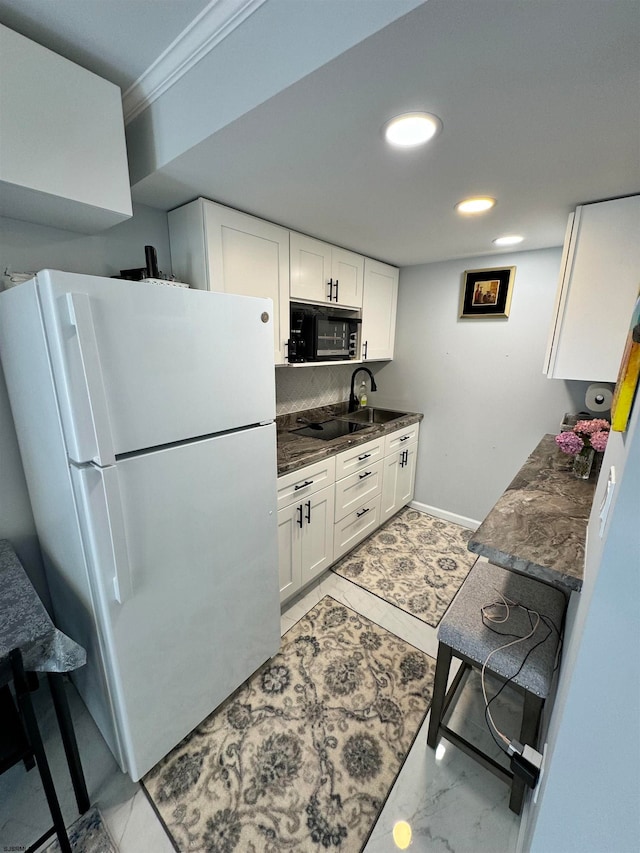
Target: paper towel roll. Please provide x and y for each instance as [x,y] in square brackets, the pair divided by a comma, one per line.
[598,398]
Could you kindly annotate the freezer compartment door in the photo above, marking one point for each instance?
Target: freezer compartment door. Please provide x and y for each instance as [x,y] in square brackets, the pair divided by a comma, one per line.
[140,365]
[189,546]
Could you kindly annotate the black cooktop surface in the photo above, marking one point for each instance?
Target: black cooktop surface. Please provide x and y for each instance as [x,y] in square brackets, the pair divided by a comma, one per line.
[328,430]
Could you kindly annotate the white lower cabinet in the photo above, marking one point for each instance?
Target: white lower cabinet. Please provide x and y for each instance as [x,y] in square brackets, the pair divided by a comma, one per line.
[398,480]
[326,509]
[379,310]
[305,525]
[399,470]
[358,490]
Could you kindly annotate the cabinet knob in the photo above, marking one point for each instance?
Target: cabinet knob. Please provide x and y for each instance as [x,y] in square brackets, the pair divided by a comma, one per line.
[366,474]
[302,485]
[363,512]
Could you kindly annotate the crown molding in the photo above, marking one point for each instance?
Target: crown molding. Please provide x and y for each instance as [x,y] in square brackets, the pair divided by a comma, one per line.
[216,21]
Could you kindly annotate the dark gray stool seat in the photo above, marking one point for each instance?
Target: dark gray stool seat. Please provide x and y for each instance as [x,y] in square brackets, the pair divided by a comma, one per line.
[464,635]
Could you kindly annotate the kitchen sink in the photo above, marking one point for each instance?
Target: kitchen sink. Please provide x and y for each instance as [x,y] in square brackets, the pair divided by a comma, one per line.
[372,416]
[328,430]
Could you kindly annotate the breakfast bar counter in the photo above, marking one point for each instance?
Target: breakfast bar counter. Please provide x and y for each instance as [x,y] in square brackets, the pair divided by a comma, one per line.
[538,526]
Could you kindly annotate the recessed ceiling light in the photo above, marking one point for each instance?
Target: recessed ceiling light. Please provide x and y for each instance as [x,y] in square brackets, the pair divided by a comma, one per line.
[411,129]
[508,240]
[475,205]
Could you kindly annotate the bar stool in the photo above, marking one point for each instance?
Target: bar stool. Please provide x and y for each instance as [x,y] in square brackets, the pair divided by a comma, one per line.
[31,644]
[468,633]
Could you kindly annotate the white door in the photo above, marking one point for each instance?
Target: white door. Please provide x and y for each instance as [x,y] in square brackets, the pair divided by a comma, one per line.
[249,256]
[310,268]
[407,475]
[390,477]
[317,534]
[347,271]
[140,365]
[290,521]
[379,310]
[190,534]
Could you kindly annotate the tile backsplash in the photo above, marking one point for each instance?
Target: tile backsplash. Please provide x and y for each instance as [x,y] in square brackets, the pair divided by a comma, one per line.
[300,388]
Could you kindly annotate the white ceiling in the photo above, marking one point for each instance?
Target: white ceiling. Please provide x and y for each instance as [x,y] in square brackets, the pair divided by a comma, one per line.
[539,99]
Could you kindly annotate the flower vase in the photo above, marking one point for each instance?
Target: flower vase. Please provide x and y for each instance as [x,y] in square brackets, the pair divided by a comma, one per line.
[582,463]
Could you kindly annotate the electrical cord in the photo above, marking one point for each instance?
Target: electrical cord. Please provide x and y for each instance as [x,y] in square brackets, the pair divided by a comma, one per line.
[535,619]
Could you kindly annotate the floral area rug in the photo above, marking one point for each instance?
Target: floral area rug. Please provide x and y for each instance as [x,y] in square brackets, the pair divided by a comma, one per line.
[87,835]
[414,561]
[302,757]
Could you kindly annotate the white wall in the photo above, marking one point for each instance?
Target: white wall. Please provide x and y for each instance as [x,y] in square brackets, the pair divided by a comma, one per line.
[479,382]
[27,247]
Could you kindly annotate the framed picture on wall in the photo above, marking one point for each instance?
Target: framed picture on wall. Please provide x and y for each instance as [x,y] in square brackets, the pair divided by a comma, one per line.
[487,293]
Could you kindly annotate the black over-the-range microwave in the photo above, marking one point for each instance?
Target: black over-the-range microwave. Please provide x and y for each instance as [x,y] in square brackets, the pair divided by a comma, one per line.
[321,334]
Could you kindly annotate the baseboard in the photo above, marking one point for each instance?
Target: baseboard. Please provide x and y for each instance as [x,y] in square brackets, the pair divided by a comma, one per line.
[470,523]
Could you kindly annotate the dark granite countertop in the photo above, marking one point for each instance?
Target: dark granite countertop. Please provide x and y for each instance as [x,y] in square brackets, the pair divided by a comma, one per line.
[295,451]
[26,625]
[538,527]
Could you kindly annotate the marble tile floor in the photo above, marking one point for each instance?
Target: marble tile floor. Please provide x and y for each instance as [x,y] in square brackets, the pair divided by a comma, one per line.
[451,803]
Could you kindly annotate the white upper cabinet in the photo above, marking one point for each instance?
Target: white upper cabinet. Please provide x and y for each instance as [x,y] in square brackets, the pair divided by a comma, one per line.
[63,159]
[217,248]
[324,273]
[599,282]
[379,310]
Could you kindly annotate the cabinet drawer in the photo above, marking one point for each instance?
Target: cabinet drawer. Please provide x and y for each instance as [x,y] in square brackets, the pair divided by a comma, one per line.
[401,438]
[300,484]
[354,527]
[358,458]
[357,488]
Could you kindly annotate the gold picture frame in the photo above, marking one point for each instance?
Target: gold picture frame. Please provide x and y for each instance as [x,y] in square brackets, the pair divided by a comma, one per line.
[487,292]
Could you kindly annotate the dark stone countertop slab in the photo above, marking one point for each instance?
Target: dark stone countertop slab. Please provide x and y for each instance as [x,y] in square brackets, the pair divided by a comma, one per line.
[26,625]
[538,527]
[295,451]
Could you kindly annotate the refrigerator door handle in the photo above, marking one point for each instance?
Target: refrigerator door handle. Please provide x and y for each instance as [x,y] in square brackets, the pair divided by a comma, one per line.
[95,440]
[122,585]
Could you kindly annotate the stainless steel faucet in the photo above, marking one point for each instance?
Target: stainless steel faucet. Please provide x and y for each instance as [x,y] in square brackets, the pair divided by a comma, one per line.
[353,400]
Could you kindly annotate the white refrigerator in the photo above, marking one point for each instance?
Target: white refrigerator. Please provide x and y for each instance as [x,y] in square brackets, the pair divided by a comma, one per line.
[144,415]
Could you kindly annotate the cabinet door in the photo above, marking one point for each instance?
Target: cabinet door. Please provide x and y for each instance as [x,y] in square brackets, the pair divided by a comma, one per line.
[390,475]
[310,268]
[407,475]
[597,291]
[379,310]
[317,534]
[398,480]
[249,256]
[347,272]
[289,554]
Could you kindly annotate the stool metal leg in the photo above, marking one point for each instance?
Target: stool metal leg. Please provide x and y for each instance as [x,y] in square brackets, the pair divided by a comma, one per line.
[443,664]
[33,732]
[63,714]
[531,713]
